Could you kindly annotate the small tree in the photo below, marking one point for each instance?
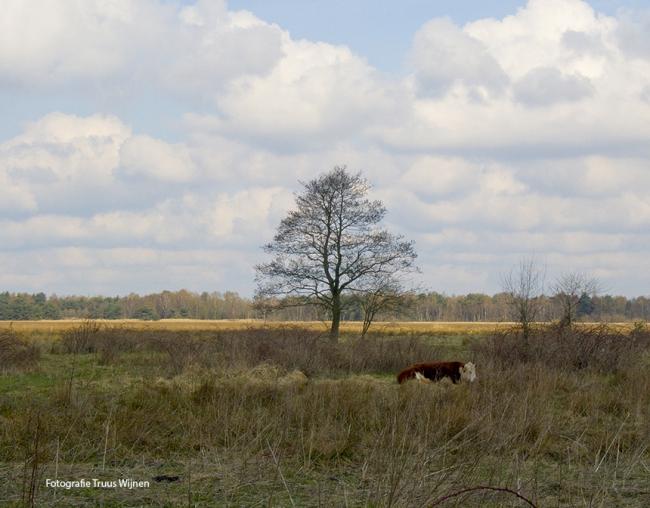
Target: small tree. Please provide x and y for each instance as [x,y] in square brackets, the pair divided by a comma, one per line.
[382,295]
[585,305]
[524,286]
[332,244]
[569,289]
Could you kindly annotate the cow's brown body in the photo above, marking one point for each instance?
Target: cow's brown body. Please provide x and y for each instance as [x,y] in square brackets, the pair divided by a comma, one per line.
[433,371]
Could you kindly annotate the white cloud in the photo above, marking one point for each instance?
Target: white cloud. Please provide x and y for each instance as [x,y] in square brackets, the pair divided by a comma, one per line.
[15,197]
[535,36]
[435,178]
[452,278]
[544,86]
[212,45]
[439,176]
[65,148]
[316,94]
[143,155]
[111,271]
[633,33]
[70,164]
[556,53]
[444,55]
[210,219]
[508,136]
[45,42]
[62,162]
[592,176]
[131,44]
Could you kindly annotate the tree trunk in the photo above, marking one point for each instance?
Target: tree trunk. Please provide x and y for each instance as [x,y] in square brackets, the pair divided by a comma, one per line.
[368,318]
[336,318]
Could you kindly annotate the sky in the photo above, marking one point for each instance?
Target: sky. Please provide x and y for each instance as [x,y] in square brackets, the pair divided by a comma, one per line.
[156,144]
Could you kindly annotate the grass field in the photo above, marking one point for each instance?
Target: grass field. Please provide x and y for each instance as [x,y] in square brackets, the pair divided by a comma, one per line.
[221,417]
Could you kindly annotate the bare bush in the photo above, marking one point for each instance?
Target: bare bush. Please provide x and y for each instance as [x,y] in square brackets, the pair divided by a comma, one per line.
[182,354]
[600,348]
[112,341]
[569,288]
[81,338]
[524,286]
[16,353]
[106,341]
[292,349]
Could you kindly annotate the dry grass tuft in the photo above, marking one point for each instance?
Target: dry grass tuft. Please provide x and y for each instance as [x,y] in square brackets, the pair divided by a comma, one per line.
[294,378]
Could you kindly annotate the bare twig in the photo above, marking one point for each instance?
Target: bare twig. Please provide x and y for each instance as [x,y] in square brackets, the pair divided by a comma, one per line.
[277,466]
[442,499]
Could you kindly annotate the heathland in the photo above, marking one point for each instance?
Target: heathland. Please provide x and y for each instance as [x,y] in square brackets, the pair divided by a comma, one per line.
[243,413]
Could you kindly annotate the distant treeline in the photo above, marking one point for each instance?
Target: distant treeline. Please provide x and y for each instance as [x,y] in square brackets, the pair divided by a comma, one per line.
[430,306]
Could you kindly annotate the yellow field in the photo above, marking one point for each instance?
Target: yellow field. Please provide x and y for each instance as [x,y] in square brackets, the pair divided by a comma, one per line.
[433,327]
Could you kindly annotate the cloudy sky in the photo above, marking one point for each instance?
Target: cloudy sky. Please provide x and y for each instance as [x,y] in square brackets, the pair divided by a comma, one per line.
[156,144]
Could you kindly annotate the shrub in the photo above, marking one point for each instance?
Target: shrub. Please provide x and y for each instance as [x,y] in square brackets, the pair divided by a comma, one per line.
[600,348]
[292,349]
[81,338]
[16,353]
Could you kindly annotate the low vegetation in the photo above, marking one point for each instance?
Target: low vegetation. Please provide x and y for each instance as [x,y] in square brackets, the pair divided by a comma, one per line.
[16,352]
[226,418]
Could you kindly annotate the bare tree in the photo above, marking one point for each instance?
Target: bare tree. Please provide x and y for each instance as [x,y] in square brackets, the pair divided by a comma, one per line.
[568,288]
[331,244]
[524,286]
[381,295]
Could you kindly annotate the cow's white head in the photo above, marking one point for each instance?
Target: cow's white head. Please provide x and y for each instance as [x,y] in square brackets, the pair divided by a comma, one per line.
[468,372]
